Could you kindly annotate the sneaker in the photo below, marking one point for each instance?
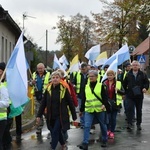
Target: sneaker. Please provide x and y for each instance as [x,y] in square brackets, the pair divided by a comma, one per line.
[108,132]
[139,127]
[104,144]
[111,135]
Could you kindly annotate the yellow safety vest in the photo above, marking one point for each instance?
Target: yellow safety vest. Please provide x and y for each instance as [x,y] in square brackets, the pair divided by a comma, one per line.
[125,73]
[46,81]
[62,90]
[92,104]
[118,96]
[3,111]
[78,82]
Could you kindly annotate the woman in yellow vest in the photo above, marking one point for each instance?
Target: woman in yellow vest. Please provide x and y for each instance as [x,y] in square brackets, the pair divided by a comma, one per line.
[4,103]
[94,108]
[115,92]
[57,100]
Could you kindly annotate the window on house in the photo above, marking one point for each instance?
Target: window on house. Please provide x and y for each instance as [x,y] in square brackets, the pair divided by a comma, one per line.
[6,52]
[2,49]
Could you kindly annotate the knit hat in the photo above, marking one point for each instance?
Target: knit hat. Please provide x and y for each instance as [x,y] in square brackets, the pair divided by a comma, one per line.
[2,66]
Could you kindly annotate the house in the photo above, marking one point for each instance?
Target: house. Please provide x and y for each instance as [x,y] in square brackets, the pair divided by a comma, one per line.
[144,49]
[9,34]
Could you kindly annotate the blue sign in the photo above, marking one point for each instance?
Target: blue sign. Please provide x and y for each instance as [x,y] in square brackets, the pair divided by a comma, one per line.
[141,59]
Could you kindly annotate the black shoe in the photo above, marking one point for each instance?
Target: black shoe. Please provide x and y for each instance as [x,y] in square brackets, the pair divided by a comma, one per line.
[18,138]
[139,128]
[129,126]
[38,133]
[83,146]
[104,144]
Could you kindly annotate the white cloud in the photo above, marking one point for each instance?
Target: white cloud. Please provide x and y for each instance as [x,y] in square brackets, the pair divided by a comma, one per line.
[46,13]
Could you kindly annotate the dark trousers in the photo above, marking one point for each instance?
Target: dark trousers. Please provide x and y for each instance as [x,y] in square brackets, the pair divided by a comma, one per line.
[134,103]
[56,133]
[3,124]
[7,135]
[18,120]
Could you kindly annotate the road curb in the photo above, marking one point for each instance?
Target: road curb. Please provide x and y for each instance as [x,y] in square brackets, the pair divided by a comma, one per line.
[26,126]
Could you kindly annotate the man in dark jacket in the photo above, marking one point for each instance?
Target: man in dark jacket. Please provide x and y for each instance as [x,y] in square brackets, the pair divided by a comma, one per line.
[79,81]
[135,84]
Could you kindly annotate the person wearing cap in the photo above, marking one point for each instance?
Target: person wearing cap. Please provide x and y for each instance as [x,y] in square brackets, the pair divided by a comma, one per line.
[4,104]
[127,68]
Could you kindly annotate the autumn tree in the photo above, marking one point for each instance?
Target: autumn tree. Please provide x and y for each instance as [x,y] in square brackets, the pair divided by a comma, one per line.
[143,22]
[117,22]
[75,35]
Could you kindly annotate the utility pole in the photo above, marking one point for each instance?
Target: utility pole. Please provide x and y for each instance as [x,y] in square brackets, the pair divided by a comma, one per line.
[46,47]
[26,16]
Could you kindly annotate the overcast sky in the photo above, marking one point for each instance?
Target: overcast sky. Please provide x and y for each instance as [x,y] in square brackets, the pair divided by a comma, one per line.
[46,14]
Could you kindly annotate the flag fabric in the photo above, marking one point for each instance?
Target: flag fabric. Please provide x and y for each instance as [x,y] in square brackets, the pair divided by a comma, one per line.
[91,62]
[113,66]
[57,65]
[16,75]
[93,52]
[123,55]
[101,59]
[63,60]
[74,65]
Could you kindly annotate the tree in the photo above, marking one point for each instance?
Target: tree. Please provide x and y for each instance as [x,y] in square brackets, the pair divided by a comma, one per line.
[144,20]
[117,22]
[75,35]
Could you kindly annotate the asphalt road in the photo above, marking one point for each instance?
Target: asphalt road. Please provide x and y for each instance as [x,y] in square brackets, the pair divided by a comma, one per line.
[124,140]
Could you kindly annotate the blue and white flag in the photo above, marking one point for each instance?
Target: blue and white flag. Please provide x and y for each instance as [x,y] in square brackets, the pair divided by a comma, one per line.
[123,55]
[57,65]
[63,60]
[113,66]
[93,52]
[16,75]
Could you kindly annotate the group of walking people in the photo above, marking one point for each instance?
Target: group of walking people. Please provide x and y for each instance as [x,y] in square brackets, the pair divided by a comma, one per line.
[54,100]
[93,98]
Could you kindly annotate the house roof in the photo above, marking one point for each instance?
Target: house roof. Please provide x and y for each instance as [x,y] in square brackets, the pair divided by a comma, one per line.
[143,48]
[9,22]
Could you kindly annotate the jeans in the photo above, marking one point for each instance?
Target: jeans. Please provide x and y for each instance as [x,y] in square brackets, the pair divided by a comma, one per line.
[102,119]
[81,117]
[112,120]
[56,133]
